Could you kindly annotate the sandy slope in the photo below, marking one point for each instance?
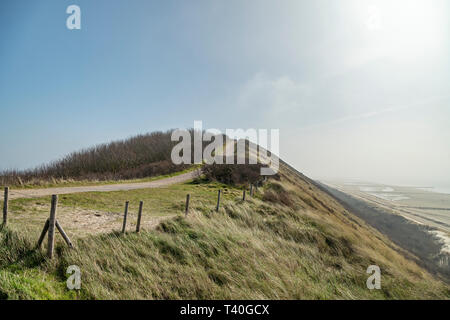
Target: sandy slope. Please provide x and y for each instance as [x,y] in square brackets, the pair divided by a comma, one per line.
[422,207]
[418,238]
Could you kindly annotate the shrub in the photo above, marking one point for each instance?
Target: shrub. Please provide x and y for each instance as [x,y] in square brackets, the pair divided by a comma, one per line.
[136,157]
[233,174]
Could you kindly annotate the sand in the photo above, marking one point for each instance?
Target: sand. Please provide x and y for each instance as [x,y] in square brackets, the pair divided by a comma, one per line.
[417,220]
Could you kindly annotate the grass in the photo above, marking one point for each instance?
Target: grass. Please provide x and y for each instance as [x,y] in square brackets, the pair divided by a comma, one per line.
[108,207]
[58,183]
[257,249]
[23,273]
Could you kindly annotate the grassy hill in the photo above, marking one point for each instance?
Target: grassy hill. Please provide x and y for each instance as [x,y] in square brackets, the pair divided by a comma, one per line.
[137,157]
[289,241]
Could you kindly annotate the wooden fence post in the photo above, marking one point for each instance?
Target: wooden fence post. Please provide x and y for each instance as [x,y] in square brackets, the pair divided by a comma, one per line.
[187,204]
[44,232]
[51,226]
[125,217]
[138,225]
[5,206]
[218,200]
[243,196]
[63,234]
[60,229]
[251,189]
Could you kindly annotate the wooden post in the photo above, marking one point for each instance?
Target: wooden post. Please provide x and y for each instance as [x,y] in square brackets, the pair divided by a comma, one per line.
[125,217]
[64,235]
[251,190]
[44,232]
[218,200]
[5,206]
[138,225]
[187,204]
[243,196]
[51,226]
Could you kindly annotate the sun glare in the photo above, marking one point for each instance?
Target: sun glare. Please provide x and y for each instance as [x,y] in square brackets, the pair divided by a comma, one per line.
[406,29]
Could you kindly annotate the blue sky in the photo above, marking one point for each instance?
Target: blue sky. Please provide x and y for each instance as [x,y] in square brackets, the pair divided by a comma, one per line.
[357,88]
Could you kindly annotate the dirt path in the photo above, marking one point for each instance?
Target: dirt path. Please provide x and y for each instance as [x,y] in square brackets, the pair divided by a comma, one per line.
[34,193]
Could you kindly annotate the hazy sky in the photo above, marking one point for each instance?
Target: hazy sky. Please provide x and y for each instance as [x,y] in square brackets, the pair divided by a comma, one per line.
[357,88]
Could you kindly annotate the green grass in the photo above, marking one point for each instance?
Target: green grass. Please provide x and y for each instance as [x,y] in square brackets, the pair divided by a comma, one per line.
[158,202]
[32,285]
[23,273]
[58,183]
[258,249]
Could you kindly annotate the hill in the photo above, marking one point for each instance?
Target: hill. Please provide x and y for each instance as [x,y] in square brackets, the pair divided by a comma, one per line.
[137,157]
[290,240]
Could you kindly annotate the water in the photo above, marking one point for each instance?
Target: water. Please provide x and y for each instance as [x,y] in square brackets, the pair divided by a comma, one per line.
[383,192]
[445,190]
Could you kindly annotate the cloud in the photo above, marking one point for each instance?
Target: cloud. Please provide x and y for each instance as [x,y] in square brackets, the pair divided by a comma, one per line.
[274,95]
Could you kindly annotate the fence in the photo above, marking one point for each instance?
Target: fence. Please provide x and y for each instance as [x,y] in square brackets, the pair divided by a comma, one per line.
[52,222]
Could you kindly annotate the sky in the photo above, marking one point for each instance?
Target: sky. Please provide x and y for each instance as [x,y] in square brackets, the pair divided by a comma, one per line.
[357,88]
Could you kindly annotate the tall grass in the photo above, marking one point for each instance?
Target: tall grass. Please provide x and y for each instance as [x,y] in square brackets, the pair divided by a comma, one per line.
[308,247]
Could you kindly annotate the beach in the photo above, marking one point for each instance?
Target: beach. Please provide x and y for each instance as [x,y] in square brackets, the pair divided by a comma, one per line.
[415,218]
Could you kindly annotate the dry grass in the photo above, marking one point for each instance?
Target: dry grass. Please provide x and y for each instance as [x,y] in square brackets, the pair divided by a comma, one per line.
[258,249]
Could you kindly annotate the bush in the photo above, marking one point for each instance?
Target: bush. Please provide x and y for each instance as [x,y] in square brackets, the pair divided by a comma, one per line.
[233,174]
[136,157]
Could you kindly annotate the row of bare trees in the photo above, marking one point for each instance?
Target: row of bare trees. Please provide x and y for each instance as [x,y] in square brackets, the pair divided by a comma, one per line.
[137,157]
[140,156]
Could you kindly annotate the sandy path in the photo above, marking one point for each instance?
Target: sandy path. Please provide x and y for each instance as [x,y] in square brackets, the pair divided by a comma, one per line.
[34,193]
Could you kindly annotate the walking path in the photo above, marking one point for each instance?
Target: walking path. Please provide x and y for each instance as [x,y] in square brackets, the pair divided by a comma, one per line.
[34,193]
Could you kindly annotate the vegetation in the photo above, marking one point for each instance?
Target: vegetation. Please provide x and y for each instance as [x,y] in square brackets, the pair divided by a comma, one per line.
[57,183]
[134,158]
[290,241]
[233,174]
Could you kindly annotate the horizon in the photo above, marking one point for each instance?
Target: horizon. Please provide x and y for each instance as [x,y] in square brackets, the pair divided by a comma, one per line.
[358,90]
